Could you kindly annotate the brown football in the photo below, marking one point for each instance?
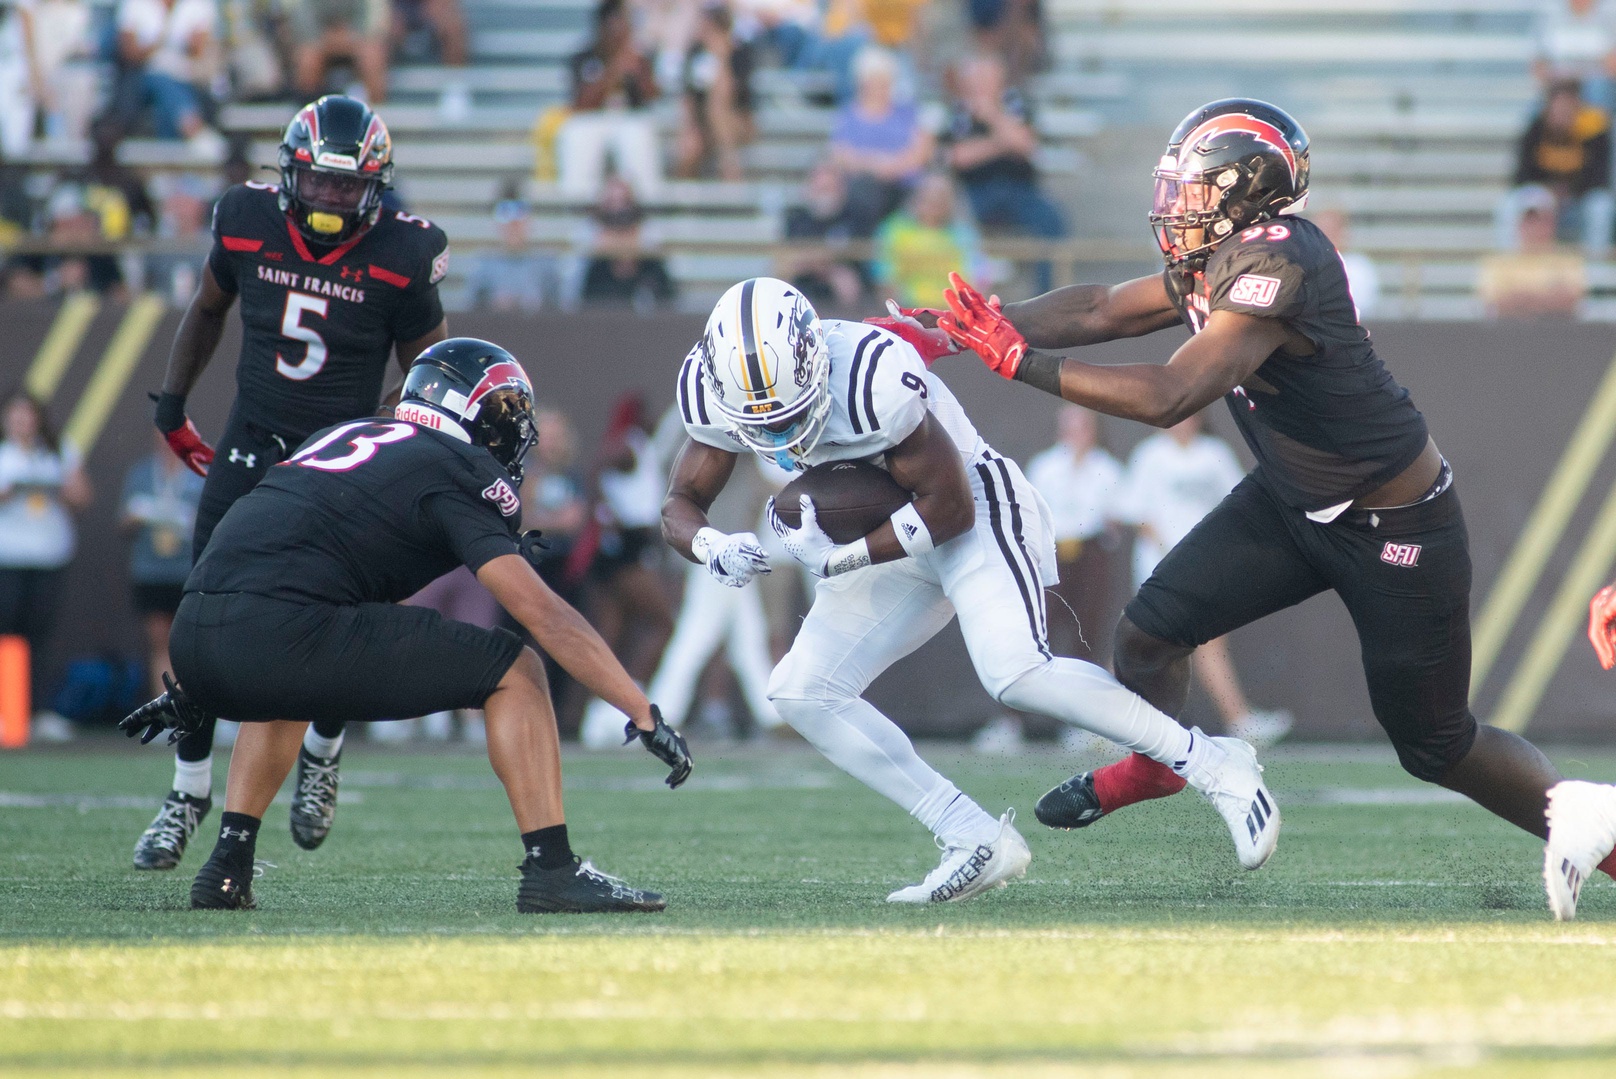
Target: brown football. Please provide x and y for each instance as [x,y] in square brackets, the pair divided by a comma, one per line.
[851,498]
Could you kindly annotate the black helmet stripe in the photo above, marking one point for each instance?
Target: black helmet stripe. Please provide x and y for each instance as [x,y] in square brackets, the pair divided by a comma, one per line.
[755,384]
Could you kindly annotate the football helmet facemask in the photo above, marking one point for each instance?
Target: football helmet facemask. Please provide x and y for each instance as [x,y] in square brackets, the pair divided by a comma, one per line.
[336,159]
[482,393]
[765,357]
[1228,165]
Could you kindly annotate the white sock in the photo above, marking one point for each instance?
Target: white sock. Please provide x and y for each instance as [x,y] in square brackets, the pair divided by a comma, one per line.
[1090,697]
[1203,754]
[194,777]
[868,746]
[321,747]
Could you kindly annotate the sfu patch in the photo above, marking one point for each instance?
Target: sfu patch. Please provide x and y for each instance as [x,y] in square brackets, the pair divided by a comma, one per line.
[500,494]
[1254,290]
[1401,554]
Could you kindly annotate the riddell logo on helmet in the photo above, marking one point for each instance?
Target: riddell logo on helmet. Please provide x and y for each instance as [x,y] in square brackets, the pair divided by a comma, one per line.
[500,494]
[416,414]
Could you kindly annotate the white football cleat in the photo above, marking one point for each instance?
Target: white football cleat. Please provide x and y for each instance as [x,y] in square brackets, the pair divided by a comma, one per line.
[1582,833]
[1236,790]
[970,870]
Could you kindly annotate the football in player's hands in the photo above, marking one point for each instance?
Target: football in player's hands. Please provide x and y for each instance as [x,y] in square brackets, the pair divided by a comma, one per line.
[851,498]
[665,744]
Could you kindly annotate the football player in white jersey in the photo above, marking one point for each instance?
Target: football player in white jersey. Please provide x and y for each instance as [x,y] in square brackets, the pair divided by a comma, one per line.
[769,377]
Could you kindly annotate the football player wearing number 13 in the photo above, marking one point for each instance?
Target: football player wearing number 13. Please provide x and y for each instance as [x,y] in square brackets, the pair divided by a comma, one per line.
[1349,494]
[330,283]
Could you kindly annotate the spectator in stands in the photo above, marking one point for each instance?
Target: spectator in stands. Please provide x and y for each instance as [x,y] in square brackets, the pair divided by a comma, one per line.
[919,245]
[445,23]
[878,142]
[1566,152]
[1363,280]
[823,216]
[623,265]
[990,148]
[160,497]
[1540,279]
[328,31]
[716,106]
[37,40]
[41,487]
[1576,39]
[186,202]
[514,277]
[255,35]
[612,86]
[1012,30]
[167,50]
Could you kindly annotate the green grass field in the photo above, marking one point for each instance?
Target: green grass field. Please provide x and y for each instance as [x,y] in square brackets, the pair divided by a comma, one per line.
[1393,934]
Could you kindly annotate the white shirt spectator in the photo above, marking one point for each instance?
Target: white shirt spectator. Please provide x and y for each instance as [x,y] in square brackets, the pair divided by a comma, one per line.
[1081,492]
[1573,44]
[1168,489]
[36,531]
[1363,281]
[634,498]
[171,28]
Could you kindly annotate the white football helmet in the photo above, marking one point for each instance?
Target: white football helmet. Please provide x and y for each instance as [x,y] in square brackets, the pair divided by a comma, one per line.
[765,358]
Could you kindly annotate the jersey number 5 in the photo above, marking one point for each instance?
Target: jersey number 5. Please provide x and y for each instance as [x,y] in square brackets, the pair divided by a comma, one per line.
[361,446]
[297,305]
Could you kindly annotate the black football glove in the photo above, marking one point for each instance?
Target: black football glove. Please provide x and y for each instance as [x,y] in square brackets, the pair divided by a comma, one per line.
[173,711]
[532,546]
[665,744]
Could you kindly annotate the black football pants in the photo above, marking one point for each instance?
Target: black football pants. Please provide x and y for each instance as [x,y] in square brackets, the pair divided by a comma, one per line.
[1403,574]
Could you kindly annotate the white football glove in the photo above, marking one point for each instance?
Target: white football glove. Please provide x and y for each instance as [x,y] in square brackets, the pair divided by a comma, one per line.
[809,545]
[732,559]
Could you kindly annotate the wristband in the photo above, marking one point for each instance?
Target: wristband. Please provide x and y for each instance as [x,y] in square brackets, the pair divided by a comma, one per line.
[848,557]
[705,539]
[170,415]
[913,535]
[1041,371]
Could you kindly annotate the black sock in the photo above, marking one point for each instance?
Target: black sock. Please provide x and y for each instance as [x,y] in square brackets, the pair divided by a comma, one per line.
[548,846]
[238,836]
[328,728]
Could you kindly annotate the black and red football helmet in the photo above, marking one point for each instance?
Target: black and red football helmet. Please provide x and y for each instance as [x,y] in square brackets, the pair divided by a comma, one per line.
[481,388]
[336,159]
[1228,165]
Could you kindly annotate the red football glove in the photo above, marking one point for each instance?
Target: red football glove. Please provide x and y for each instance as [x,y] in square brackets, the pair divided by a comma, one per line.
[931,343]
[979,325]
[1601,613]
[187,444]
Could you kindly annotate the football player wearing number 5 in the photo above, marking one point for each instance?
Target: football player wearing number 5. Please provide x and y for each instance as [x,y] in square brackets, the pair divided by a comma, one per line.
[770,378]
[330,285]
[1350,493]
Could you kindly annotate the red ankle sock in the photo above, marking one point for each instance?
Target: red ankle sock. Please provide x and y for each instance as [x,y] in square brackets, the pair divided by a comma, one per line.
[1609,864]
[1135,778]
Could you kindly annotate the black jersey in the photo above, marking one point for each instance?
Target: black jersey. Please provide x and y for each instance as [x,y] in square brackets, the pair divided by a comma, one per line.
[319,324]
[367,511]
[1325,428]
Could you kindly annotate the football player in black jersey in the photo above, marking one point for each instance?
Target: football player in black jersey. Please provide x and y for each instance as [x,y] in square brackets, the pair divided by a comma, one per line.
[331,284]
[292,611]
[1350,493]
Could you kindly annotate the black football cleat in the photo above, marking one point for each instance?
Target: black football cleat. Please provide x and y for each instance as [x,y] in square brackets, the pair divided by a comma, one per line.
[1073,804]
[162,844]
[579,888]
[222,886]
[314,798]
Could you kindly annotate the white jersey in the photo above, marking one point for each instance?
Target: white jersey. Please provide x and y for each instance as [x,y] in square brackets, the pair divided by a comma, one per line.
[880,391]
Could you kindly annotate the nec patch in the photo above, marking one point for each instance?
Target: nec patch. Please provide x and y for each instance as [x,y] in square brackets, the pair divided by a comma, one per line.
[500,494]
[1401,554]
[440,268]
[1254,290]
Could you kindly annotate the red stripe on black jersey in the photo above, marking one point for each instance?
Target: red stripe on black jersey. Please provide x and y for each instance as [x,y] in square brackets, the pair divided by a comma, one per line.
[240,243]
[389,277]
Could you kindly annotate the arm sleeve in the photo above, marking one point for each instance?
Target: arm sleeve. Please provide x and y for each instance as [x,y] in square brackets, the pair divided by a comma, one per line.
[474,528]
[1257,277]
[421,309]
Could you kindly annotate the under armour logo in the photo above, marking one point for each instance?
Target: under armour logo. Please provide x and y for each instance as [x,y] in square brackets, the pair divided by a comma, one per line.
[357,273]
[235,833]
[1401,554]
[248,459]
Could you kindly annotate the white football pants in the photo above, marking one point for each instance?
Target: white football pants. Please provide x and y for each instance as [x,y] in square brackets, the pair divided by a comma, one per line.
[993,578]
[713,615]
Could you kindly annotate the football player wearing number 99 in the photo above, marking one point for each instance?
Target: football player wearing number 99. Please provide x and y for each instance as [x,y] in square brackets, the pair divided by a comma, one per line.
[331,283]
[770,378]
[1350,493]
[292,613]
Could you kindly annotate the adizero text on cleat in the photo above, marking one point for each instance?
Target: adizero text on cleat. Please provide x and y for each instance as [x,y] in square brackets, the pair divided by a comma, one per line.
[220,886]
[162,844]
[969,869]
[579,888]
[314,798]
[1073,804]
